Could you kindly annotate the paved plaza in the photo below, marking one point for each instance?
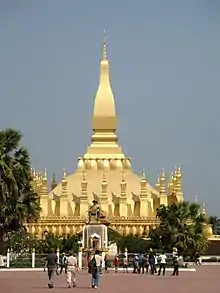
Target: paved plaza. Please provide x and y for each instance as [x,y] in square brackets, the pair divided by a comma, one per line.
[205,280]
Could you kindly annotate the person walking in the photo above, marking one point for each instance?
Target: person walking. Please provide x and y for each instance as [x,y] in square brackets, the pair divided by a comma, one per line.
[142,262]
[63,263]
[72,268]
[94,268]
[52,268]
[152,262]
[116,263]
[125,264]
[175,265]
[162,259]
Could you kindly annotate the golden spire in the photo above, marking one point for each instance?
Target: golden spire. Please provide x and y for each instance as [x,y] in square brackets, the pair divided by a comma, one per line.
[104,186]
[143,184]
[157,187]
[64,175]
[178,179]
[44,189]
[84,184]
[54,183]
[203,210]
[45,175]
[123,185]
[163,183]
[104,121]
[64,184]
[170,184]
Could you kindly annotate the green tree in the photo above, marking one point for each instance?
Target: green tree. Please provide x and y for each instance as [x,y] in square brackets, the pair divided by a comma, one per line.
[181,226]
[214,221]
[18,201]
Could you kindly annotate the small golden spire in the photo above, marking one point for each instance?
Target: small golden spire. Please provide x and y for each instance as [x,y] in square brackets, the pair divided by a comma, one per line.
[104,48]
[54,183]
[143,185]
[163,183]
[84,184]
[104,186]
[45,173]
[64,175]
[158,182]
[204,209]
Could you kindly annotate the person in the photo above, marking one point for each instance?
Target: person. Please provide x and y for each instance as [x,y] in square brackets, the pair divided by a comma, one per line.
[142,263]
[94,268]
[147,263]
[52,268]
[106,263]
[116,263]
[125,264]
[175,265]
[152,262]
[162,259]
[135,264]
[63,263]
[71,268]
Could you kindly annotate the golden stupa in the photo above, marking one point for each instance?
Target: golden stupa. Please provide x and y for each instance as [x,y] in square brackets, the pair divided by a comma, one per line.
[105,174]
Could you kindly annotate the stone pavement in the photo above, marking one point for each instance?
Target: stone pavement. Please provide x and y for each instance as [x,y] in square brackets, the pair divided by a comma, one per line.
[204,280]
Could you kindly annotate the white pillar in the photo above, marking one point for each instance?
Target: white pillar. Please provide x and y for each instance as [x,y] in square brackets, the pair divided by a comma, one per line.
[58,255]
[80,258]
[8,258]
[33,258]
[103,259]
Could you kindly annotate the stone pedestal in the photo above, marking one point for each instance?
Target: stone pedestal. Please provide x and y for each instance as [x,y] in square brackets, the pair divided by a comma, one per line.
[95,237]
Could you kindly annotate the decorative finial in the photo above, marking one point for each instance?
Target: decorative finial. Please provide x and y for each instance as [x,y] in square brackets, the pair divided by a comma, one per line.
[143,175]
[104,49]
[45,174]
[163,173]
[203,209]
[64,174]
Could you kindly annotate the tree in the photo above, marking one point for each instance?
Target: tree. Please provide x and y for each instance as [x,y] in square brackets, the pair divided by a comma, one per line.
[214,221]
[181,226]
[18,201]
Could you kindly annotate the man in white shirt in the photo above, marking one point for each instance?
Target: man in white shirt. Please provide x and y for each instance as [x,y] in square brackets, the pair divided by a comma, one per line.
[72,268]
[162,260]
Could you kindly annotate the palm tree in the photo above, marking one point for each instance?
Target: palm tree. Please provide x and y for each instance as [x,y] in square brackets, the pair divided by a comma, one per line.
[181,226]
[214,221]
[18,201]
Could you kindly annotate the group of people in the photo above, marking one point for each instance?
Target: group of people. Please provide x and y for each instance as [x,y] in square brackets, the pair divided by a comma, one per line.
[149,263]
[141,264]
[68,263]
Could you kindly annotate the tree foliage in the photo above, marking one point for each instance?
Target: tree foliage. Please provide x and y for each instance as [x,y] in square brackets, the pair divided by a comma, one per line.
[18,201]
[214,221]
[21,241]
[181,226]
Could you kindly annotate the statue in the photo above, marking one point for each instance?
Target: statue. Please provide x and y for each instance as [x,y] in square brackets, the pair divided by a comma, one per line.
[94,212]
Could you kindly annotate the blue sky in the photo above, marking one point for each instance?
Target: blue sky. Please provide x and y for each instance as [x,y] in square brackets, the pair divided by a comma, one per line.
[165,68]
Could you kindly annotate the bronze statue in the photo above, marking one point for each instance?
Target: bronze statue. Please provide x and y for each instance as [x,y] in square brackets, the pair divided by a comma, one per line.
[94,212]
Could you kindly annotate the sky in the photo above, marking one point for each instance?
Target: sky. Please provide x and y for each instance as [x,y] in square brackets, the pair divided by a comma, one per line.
[165,69]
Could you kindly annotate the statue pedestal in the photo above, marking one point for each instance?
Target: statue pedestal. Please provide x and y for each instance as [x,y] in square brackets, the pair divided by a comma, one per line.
[95,237]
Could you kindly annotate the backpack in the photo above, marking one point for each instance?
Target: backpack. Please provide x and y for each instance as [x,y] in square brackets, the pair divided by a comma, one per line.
[92,265]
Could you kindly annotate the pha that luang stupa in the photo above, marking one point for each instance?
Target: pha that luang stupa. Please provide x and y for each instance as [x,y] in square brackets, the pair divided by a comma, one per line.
[127,200]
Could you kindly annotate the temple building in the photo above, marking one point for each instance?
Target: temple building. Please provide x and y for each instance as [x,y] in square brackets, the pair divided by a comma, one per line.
[127,201]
